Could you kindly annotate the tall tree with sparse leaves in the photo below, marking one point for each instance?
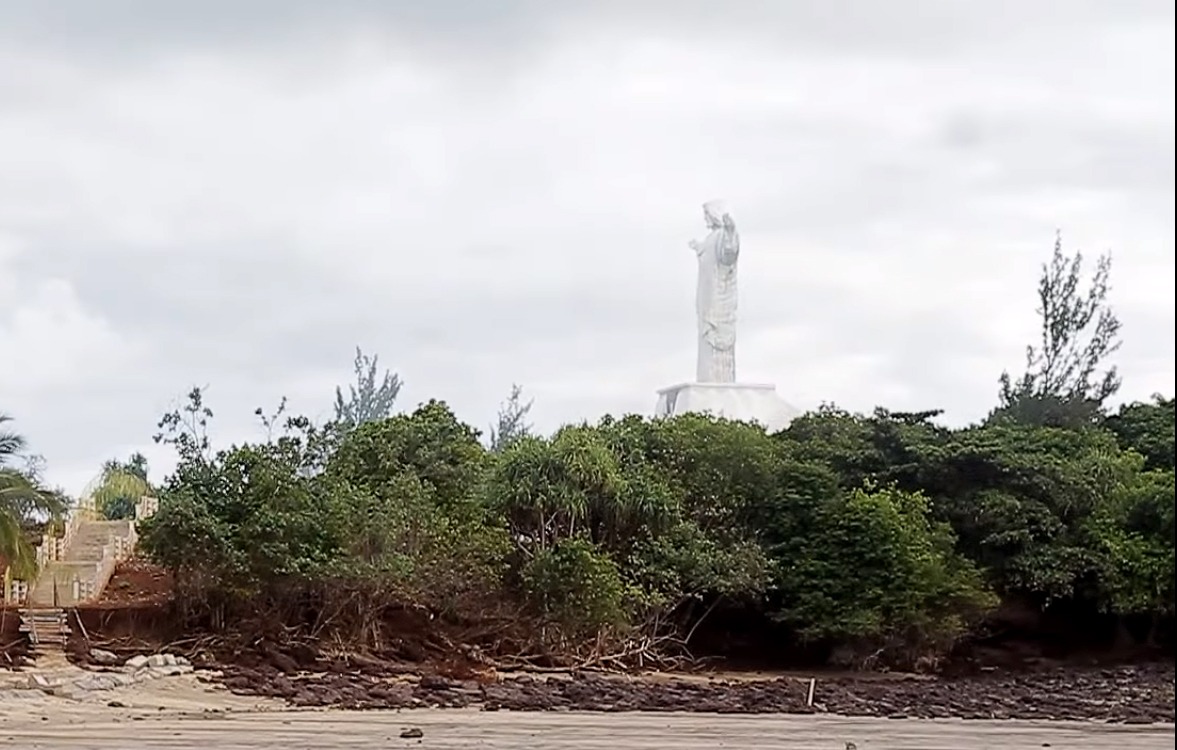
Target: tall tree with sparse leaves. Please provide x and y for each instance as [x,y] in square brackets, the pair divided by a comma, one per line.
[186,428]
[512,423]
[372,396]
[1067,378]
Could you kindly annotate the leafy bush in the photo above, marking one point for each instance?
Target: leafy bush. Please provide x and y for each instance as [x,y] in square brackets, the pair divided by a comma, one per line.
[874,570]
[244,521]
[577,586]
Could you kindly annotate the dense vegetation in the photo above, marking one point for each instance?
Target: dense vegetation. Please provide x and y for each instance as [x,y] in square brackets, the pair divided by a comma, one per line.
[883,535]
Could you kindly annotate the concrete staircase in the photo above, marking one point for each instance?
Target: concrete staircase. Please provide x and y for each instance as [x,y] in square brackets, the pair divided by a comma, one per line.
[77,575]
[85,565]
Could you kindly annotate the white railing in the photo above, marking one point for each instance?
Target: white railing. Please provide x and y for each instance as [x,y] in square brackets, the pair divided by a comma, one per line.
[16,591]
[53,547]
[146,507]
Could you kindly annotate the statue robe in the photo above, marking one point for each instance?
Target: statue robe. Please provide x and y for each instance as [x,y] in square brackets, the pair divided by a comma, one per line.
[715,303]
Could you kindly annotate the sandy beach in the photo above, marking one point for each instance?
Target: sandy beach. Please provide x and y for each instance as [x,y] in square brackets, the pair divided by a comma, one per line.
[183,712]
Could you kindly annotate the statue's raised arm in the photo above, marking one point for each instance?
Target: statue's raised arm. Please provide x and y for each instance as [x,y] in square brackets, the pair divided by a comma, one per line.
[729,245]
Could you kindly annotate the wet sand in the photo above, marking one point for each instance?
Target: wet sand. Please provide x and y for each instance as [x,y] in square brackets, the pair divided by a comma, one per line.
[459,729]
[185,713]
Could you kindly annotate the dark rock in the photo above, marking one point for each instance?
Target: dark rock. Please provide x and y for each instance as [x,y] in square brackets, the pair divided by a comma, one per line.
[283,663]
[436,682]
[1121,695]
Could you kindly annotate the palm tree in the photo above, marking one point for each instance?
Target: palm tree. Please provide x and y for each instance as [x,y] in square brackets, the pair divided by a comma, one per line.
[22,503]
[121,487]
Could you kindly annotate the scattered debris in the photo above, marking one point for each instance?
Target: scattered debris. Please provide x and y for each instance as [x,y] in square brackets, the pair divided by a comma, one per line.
[104,658]
[136,669]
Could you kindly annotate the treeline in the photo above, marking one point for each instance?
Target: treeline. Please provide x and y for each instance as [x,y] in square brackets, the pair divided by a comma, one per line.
[883,536]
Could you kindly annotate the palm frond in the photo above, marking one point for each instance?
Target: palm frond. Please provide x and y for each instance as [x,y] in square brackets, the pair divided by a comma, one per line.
[11,444]
[15,548]
[118,485]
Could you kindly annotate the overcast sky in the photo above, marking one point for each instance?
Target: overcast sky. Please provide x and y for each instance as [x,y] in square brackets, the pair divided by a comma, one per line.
[235,193]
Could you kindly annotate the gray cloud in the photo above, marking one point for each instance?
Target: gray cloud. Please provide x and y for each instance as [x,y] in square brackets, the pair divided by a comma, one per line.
[905,28]
[485,193]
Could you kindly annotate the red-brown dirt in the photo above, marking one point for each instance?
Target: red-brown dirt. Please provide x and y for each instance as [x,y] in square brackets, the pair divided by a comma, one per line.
[136,582]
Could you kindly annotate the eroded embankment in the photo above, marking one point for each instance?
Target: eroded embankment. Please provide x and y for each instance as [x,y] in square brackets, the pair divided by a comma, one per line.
[421,668]
[304,676]
[14,646]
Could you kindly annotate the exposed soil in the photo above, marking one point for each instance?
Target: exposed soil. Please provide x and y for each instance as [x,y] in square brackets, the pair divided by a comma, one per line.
[14,653]
[14,646]
[1129,695]
[136,582]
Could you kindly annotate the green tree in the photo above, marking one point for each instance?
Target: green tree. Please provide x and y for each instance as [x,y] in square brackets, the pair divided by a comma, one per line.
[431,443]
[24,504]
[245,521]
[409,491]
[1147,428]
[872,570]
[186,428]
[250,535]
[1134,533]
[576,585]
[661,500]
[371,397]
[121,487]
[885,447]
[550,490]
[1063,384]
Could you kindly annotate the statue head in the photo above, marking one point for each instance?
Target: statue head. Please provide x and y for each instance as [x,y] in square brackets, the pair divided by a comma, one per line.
[713,213]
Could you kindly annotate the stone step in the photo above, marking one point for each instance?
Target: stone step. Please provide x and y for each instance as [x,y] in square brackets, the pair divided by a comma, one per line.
[42,625]
[45,627]
[42,614]
[45,622]
[89,539]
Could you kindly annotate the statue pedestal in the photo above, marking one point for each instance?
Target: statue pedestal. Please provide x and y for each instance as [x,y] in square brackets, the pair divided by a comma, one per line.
[746,402]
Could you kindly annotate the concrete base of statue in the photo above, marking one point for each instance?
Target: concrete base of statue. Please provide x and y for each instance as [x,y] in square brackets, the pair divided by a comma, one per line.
[745,402]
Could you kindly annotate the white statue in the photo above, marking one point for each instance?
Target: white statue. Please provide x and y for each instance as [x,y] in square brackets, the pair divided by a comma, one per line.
[715,390]
[715,300]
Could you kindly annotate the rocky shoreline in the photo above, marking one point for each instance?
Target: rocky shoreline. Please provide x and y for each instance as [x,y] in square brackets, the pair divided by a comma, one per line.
[1136,695]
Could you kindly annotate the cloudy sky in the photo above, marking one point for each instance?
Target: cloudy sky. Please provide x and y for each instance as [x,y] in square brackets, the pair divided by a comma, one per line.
[235,193]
